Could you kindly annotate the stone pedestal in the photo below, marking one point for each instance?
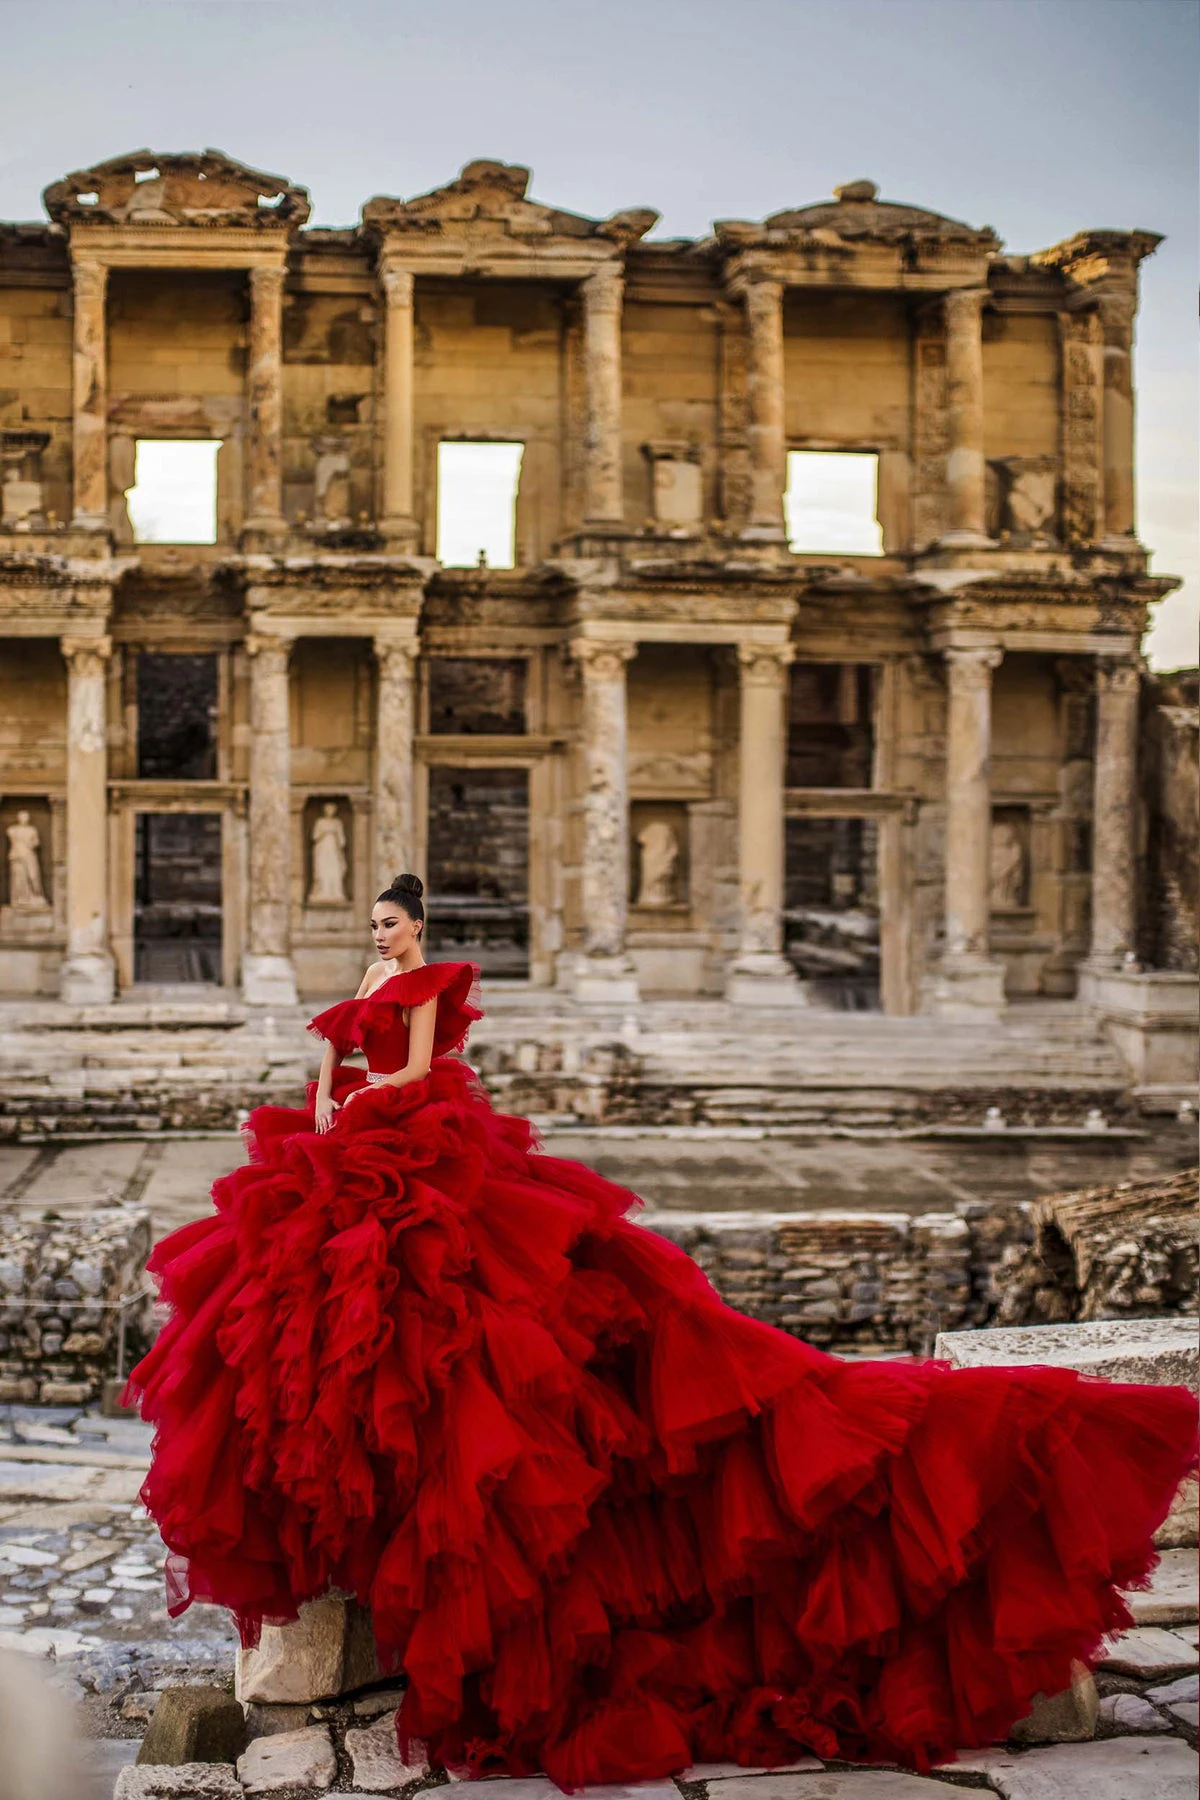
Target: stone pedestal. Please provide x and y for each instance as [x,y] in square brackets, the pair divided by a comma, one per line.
[970,982]
[1152,1017]
[264,449]
[1114,816]
[398,524]
[394,661]
[761,975]
[604,974]
[603,488]
[764,395]
[965,466]
[90,398]
[268,978]
[88,971]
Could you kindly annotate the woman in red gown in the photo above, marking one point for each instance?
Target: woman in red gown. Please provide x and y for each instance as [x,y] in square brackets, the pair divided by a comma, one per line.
[606,1525]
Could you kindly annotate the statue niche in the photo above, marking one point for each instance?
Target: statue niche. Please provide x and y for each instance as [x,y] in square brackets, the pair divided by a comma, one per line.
[657,864]
[329,860]
[1010,860]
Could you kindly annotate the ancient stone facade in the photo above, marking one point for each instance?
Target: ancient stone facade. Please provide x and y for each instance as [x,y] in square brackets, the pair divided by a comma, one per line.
[663,752]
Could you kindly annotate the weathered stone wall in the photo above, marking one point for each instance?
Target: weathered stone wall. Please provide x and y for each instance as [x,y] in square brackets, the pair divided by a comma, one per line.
[63,1285]
[1170,770]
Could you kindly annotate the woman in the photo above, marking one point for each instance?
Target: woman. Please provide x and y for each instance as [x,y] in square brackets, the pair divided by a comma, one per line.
[607,1526]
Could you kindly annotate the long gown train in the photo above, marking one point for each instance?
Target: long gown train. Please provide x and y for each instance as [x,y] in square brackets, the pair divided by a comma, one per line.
[607,1526]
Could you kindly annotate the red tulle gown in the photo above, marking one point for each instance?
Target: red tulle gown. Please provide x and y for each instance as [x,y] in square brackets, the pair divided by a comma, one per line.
[607,1526]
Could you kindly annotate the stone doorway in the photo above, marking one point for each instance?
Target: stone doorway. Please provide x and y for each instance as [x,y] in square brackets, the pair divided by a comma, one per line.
[478,866]
[177,924]
[831,909]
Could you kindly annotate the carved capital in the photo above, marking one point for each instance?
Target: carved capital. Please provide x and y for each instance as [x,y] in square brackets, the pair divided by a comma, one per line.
[962,311]
[765,665]
[1117,307]
[266,284]
[1117,678]
[763,297]
[397,285]
[395,661]
[970,666]
[90,280]
[600,660]
[604,289]
[269,654]
[86,656]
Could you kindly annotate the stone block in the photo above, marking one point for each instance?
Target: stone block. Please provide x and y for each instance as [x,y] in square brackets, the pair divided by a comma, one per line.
[194,1725]
[375,1760]
[1065,1718]
[1111,1769]
[288,1760]
[1173,1597]
[849,1784]
[1149,1651]
[324,1653]
[1129,1712]
[1186,1688]
[1162,1352]
[269,1721]
[186,1781]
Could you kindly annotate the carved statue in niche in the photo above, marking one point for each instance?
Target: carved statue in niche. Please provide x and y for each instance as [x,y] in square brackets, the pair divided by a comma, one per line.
[1009,864]
[21,490]
[658,842]
[25,890]
[329,864]
[331,482]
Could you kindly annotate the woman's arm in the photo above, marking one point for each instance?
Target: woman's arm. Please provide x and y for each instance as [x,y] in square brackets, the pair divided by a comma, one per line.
[326,1106]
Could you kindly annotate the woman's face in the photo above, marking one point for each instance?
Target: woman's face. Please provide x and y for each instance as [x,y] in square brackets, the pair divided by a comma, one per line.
[394,932]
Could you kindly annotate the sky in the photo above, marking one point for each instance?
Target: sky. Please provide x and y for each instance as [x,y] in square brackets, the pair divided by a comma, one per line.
[1037,117]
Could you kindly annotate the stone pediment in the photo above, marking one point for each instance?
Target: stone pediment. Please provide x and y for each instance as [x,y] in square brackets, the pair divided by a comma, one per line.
[488,205]
[855,215]
[205,188]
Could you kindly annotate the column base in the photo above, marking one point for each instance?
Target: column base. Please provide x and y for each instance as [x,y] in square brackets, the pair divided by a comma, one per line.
[88,978]
[764,978]
[604,981]
[969,987]
[269,981]
[965,540]
[1150,1016]
[399,531]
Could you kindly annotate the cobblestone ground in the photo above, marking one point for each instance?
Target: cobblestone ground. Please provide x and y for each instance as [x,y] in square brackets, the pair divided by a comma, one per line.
[81,1590]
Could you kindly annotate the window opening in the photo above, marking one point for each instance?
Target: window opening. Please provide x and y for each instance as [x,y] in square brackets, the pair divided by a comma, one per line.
[477,504]
[177,716]
[477,693]
[173,499]
[832,501]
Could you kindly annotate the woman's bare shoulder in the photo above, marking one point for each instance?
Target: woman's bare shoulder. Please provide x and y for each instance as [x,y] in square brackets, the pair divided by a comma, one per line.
[377,972]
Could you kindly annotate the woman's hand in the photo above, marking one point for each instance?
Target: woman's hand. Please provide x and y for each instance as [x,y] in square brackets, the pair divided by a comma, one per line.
[326,1111]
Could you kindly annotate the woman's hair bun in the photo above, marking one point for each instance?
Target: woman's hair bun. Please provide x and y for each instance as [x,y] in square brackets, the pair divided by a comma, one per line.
[408,884]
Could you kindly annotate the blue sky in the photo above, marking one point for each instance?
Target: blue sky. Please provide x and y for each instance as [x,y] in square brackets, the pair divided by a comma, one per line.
[1038,117]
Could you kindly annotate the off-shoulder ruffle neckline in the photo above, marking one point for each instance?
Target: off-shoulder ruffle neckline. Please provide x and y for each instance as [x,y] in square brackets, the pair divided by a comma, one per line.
[441,975]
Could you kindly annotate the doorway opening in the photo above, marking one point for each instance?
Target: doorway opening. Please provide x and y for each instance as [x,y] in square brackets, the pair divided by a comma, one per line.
[177,898]
[479,868]
[831,909]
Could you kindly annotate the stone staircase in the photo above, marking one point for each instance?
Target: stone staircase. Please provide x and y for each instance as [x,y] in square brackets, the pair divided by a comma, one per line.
[177,1063]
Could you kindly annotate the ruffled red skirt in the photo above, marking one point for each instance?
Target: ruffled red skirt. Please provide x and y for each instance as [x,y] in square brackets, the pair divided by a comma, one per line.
[606,1525]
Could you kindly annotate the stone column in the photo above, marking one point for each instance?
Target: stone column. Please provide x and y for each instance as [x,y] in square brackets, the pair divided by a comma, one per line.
[604,502]
[970,980]
[1116,321]
[90,401]
[604,973]
[1114,814]
[761,975]
[268,978]
[87,977]
[393,759]
[764,388]
[965,469]
[264,458]
[399,524]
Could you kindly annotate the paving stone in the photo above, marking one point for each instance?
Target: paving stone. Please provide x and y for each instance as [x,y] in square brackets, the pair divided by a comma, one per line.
[530,1787]
[1173,1597]
[1187,1712]
[1129,1712]
[1189,1633]
[375,1761]
[851,1784]
[1065,1718]
[371,1706]
[189,1781]
[194,1725]
[269,1721]
[103,1761]
[1186,1688]
[28,1556]
[1148,1651]
[723,1770]
[1114,1769]
[289,1759]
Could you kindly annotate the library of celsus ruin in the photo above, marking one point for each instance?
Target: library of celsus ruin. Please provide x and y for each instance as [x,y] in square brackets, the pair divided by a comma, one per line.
[808,669]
